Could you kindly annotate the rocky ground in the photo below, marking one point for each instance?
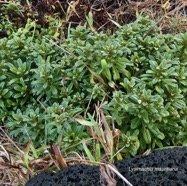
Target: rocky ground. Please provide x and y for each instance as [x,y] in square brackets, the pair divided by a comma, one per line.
[161,167]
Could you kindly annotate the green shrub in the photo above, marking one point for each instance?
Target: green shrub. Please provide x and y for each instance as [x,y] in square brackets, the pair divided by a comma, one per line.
[139,72]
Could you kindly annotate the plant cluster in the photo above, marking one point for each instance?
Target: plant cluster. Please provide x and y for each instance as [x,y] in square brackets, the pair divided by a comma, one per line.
[137,75]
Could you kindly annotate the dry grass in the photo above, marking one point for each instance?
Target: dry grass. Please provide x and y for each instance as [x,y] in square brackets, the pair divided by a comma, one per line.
[105,13]
[171,13]
[17,166]
[11,170]
[18,163]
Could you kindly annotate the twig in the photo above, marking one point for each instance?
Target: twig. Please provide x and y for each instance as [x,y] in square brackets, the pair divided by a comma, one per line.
[43,106]
[11,141]
[119,174]
[5,2]
[57,45]
[154,25]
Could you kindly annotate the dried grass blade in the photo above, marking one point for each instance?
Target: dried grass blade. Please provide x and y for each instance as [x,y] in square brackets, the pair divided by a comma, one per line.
[109,135]
[106,176]
[118,174]
[88,153]
[58,156]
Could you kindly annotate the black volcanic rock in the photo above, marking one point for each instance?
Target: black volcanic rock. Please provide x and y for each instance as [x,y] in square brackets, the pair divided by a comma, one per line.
[43,179]
[161,167]
[76,175]
[166,167]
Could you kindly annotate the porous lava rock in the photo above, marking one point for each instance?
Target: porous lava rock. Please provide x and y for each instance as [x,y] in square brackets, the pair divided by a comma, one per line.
[76,175]
[161,167]
[166,167]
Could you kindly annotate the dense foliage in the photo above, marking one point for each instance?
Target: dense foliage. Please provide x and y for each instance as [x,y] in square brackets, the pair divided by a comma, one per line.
[139,74]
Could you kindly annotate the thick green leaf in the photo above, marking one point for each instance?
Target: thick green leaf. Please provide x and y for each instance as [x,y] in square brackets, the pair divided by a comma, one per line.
[146,135]
[135,123]
[2,103]
[145,116]
[134,99]
[158,143]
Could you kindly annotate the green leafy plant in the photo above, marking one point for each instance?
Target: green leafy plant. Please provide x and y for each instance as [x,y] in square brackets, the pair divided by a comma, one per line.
[139,73]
